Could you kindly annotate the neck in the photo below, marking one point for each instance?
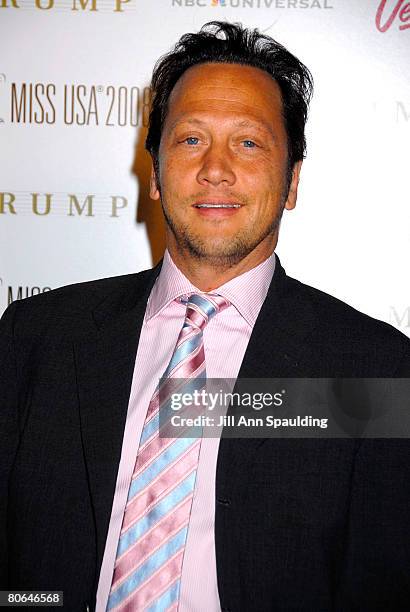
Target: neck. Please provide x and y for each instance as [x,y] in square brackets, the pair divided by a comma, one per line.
[207,274]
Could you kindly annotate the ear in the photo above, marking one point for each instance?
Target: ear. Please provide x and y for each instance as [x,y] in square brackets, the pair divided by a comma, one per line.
[153,187]
[293,189]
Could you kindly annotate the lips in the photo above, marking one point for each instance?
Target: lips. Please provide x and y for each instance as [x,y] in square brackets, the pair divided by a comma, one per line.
[216,205]
[217,210]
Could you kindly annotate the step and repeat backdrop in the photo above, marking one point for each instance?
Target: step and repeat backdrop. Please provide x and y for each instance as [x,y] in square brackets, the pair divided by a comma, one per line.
[74,100]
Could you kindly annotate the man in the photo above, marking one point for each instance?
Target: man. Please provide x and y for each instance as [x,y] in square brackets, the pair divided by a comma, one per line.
[261,525]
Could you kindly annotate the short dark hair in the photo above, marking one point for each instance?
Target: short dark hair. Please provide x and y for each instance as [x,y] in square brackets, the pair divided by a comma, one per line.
[231,43]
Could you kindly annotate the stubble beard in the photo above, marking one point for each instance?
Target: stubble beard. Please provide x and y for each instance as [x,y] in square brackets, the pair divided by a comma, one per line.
[219,253]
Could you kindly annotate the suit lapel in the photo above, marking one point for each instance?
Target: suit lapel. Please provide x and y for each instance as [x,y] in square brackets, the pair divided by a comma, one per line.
[275,350]
[105,364]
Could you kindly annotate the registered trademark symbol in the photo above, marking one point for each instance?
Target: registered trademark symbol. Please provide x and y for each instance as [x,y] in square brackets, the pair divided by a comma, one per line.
[100,88]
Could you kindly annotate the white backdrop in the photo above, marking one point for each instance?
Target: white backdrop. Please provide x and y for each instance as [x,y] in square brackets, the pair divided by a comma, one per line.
[73,172]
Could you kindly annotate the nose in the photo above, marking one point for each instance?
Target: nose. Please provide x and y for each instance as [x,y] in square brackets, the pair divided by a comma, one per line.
[216,168]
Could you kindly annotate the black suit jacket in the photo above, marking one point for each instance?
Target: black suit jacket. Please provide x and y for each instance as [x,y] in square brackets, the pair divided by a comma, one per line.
[304,524]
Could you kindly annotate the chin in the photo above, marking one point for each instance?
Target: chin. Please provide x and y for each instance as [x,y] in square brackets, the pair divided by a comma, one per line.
[219,252]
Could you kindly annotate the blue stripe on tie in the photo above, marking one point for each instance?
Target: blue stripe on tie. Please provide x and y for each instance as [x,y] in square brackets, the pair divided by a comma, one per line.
[169,597]
[183,351]
[170,454]
[160,510]
[204,304]
[146,570]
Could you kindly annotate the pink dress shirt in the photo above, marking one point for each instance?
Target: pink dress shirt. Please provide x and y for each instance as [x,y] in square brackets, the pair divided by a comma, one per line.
[225,340]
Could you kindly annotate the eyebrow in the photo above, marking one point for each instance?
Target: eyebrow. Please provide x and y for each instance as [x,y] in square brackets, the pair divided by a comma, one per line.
[262,125]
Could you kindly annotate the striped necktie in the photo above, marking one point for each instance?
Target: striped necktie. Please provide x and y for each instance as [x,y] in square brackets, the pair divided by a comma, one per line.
[148,565]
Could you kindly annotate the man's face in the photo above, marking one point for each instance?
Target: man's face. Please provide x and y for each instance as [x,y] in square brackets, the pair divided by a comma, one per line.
[223,164]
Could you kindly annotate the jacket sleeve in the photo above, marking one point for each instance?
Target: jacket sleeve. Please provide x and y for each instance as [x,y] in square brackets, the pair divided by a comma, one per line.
[9,393]
[376,569]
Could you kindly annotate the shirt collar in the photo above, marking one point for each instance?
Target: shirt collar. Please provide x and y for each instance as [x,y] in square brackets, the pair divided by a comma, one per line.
[246,292]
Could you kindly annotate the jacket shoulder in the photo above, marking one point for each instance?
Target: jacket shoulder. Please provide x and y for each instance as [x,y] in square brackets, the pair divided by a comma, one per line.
[349,330]
[73,305]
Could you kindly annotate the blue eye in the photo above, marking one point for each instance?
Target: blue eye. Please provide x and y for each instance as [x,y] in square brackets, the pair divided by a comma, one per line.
[192,140]
[249,144]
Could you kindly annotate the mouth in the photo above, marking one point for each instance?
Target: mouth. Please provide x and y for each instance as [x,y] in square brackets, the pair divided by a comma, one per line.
[217,205]
[217,211]
[211,205]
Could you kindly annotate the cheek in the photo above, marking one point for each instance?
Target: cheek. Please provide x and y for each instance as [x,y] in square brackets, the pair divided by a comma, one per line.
[264,184]
[173,175]
[264,172]
[266,202]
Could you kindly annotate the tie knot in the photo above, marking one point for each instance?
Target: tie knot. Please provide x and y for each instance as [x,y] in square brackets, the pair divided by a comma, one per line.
[201,307]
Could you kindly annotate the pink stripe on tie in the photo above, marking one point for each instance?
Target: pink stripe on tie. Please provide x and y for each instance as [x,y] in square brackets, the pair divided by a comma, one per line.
[151,541]
[151,452]
[192,369]
[198,319]
[153,588]
[153,407]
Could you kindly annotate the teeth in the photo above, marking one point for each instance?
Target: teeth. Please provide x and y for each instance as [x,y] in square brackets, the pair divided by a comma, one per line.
[218,205]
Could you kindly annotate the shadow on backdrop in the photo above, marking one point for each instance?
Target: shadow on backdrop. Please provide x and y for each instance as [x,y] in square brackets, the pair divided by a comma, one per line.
[148,211]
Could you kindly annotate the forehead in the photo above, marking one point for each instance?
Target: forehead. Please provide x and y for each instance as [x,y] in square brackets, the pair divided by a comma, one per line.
[227,89]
